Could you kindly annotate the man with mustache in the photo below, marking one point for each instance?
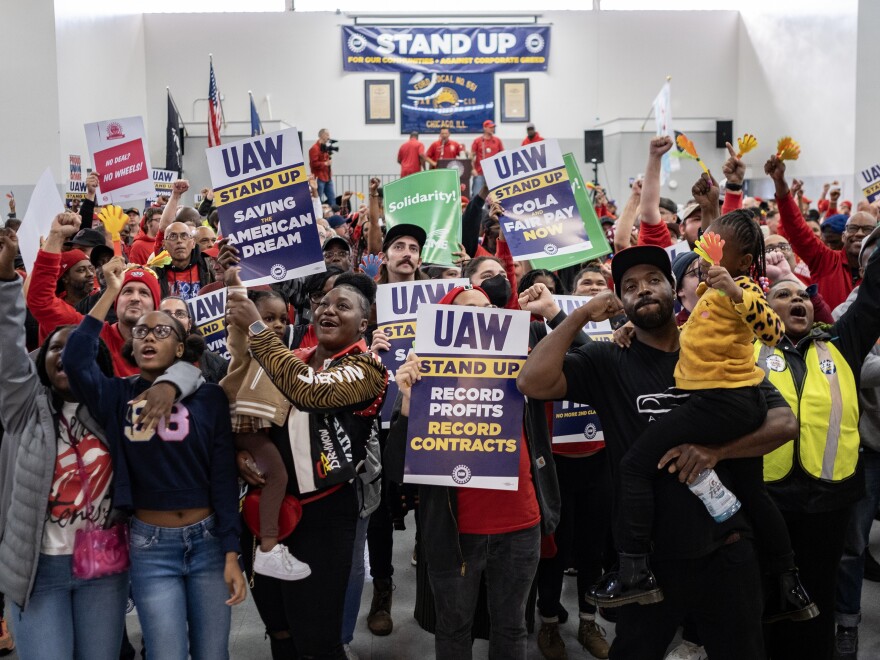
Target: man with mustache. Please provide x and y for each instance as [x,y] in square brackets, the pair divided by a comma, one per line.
[711,567]
[139,295]
[402,254]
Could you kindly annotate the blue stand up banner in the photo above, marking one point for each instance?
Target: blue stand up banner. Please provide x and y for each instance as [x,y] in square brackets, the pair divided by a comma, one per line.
[396,308]
[460,102]
[465,49]
[466,415]
[262,196]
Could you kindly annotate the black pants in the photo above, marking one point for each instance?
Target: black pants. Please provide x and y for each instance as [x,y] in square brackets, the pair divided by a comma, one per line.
[818,540]
[708,417]
[310,610]
[720,594]
[585,515]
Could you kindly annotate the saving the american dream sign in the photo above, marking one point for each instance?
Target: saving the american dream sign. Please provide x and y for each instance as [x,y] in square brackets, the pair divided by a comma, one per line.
[262,196]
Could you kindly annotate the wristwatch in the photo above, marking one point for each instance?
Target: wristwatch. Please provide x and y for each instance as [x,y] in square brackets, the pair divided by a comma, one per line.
[256,328]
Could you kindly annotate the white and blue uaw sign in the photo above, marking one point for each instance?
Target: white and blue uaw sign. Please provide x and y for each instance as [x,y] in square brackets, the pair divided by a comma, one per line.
[465,415]
[262,196]
[478,49]
[541,217]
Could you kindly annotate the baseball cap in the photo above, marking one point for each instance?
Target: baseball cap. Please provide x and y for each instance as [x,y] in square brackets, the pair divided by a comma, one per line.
[647,255]
[397,231]
[99,252]
[606,220]
[836,223]
[532,126]
[669,205]
[336,221]
[488,124]
[344,244]
[688,211]
[86,238]
[132,210]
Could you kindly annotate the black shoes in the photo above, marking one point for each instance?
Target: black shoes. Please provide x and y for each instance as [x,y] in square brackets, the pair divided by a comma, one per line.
[633,583]
[789,600]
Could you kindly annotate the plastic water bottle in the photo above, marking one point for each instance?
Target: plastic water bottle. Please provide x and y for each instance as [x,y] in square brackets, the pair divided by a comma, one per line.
[719,500]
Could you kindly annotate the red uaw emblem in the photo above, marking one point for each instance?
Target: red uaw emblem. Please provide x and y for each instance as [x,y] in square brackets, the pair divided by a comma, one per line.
[114,131]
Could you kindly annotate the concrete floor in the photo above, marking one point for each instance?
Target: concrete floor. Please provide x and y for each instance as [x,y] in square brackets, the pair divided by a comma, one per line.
[408,641]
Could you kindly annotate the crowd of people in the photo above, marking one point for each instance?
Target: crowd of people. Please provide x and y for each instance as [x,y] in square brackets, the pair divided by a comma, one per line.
[756,375]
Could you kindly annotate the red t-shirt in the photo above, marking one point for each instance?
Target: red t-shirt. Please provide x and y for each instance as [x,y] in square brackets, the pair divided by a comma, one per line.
[184,283]
[532,140]
[408,157]
[484,511]
[484,147]
[438,150]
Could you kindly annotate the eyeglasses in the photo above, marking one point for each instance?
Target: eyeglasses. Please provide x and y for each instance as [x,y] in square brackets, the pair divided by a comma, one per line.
[860,229]
[177,237]
[159,331]
[696,271]
[779,247]
[179,314]
[335,254]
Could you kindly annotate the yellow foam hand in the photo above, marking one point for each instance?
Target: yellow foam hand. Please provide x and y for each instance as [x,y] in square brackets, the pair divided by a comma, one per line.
[113,218]
[687,146]
[746,143]
[787,149]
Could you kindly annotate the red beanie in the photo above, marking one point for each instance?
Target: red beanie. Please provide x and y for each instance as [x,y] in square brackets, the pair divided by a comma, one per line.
[449,298]
[70,259]
[144,276]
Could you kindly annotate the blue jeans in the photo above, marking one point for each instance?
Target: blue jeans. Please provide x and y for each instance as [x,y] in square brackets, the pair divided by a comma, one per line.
[355,582]
[477,184]
[70,618]
[509,561]
[326,192]
[852,564]
[178,586]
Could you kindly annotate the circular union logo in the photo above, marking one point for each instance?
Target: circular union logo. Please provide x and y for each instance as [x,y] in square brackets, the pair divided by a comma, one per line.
[356,43]
[776,363]
[461,474]
[550,248]
[827,367]
[278,272]
[590,431]
[534,43]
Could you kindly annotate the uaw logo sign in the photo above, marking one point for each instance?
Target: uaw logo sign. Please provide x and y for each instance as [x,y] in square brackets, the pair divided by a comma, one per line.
[461,474]
[114,131]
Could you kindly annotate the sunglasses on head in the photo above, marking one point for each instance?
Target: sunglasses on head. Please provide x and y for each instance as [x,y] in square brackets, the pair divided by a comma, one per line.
[159,331]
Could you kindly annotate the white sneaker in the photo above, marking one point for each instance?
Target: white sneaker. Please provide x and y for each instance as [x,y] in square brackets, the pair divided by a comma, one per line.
[687,651]
[349,654]
[279,563]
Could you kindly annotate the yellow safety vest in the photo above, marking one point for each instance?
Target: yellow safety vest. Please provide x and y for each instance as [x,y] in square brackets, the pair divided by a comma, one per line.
[827,411]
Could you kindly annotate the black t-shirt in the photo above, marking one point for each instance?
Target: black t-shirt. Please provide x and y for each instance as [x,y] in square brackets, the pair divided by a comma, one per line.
[630,388]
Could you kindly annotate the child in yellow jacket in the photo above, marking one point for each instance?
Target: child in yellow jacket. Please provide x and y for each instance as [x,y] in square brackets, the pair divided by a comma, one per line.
[716,365]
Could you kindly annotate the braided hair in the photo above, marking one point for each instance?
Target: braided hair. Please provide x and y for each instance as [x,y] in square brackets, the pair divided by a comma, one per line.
[748,233]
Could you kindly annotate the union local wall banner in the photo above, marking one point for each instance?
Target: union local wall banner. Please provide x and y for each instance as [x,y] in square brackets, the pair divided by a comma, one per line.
[471,49]
[460,102]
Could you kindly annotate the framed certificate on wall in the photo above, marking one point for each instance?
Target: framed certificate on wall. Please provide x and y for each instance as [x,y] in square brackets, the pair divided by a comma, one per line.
[515,100]
[379,102]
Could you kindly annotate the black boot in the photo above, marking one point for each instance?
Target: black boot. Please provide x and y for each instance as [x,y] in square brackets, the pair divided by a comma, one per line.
[789,600]
[633,583]
[872,568]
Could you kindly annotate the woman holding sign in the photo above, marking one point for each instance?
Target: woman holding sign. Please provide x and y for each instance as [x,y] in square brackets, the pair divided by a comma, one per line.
[469,533]
[336,389]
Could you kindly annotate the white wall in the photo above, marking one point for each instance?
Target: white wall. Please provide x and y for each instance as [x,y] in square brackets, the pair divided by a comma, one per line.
[867,109]
[797,76]
[29,111]
[773,74]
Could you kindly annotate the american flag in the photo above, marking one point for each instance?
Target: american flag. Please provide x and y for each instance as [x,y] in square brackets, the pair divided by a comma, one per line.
[215,111]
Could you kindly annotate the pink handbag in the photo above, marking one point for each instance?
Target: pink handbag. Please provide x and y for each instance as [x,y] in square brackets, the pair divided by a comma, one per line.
[96,552]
